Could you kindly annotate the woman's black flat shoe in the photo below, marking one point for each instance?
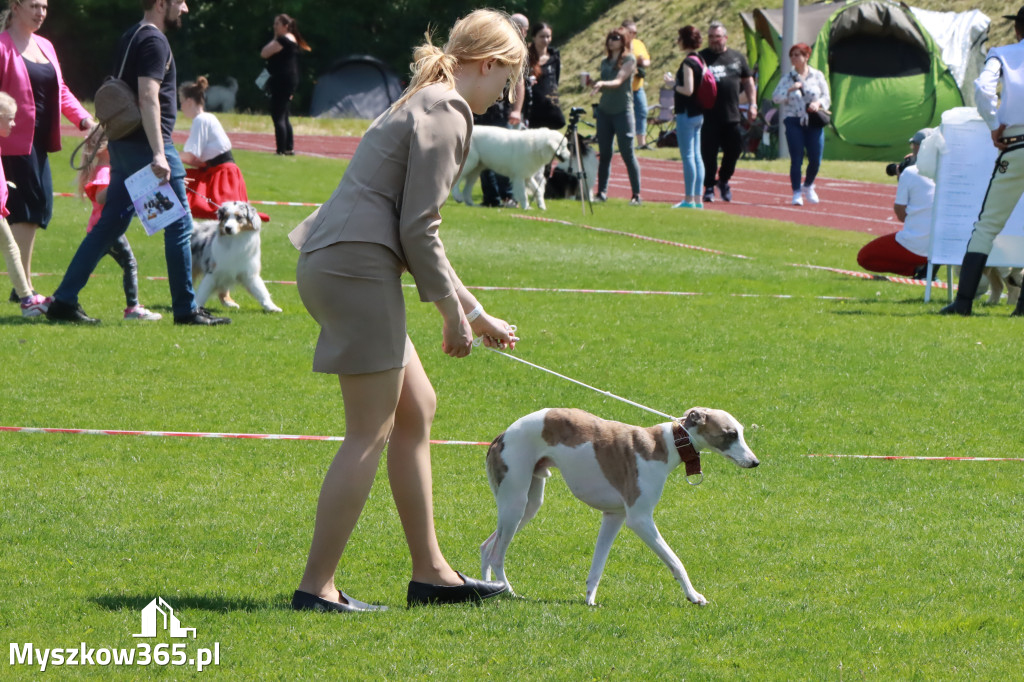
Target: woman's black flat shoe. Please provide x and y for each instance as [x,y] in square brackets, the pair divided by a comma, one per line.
[304,601]
[471,590]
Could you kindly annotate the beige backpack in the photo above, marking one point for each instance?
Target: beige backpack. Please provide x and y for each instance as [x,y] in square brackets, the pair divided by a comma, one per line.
[117,105]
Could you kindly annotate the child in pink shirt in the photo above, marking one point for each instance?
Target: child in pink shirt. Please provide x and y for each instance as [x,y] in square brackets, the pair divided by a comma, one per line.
[32,304]
[93,180]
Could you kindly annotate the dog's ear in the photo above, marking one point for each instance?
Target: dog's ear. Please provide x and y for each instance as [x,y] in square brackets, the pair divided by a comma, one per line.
[695,417]
[222,213]
[253,216]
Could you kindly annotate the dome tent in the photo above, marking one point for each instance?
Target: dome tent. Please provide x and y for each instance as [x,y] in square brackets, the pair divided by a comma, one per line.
[886,73]
[358,86]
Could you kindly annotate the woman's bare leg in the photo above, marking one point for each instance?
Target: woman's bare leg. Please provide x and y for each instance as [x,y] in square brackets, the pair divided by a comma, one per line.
[370,403]
[25,236]
[410,477]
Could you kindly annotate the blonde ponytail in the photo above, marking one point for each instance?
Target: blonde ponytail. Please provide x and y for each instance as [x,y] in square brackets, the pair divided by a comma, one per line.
[430,65]
[482,34]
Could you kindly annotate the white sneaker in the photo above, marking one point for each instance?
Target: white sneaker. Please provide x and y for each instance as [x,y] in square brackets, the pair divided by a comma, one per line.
[810,194]
[798,198]
[35,305]
[140,312]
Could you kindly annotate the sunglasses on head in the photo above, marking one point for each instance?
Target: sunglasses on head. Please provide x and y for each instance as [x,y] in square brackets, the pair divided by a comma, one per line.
[615,37]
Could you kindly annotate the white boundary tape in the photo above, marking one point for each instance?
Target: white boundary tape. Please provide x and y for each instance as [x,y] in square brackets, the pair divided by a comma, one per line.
[196,434]
[931,459]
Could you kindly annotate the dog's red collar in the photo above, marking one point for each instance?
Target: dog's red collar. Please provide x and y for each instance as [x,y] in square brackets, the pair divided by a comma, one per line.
[688,453]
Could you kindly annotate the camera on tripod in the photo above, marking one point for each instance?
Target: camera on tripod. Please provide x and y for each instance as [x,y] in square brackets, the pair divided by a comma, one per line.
[895,169]
[575,113]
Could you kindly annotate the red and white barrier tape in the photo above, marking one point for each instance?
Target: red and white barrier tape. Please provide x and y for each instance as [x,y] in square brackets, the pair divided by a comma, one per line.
[630,234]
[193,434]
[627,292]
[258,203]
[864,275]
[908,457]
[867,275]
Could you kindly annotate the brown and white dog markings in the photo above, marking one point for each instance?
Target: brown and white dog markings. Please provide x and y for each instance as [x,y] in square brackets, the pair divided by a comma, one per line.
[616,468]
[226,252]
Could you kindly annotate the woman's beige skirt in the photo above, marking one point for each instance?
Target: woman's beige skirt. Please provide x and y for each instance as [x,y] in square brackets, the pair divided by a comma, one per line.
[354,292]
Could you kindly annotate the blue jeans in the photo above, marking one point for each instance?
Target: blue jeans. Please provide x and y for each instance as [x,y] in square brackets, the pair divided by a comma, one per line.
[802,139]
[127,158]
[640,112]
[619,126]
[688,136]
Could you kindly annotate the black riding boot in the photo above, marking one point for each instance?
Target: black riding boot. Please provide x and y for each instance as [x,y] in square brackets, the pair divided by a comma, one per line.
[970,276]
[1019,310]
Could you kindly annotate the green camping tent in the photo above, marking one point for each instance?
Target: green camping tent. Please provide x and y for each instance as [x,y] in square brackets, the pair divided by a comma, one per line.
[886,74]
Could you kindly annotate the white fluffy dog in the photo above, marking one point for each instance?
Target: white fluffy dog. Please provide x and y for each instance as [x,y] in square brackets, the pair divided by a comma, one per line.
[227,251]
[519,155]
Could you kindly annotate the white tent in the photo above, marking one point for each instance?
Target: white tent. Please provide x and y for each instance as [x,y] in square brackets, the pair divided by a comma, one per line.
[961,37]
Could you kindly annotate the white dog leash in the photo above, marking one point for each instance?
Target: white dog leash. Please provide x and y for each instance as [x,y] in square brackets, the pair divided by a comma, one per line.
[580,383]
[478,341]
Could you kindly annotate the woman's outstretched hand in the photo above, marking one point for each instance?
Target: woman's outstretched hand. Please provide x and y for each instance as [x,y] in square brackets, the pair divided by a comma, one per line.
[494,332]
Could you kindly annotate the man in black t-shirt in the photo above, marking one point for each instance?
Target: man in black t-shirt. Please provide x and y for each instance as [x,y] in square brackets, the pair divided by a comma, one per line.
[721,128]
[149,71]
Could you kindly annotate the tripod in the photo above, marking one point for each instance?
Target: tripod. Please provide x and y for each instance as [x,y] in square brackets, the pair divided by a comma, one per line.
[575,162]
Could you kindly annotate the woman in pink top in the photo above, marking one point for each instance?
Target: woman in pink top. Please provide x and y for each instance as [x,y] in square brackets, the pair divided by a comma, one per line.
[30,73]
[32,305]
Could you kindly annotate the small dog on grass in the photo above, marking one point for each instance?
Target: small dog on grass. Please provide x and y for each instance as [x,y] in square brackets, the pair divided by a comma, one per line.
[613,467]
[226,252]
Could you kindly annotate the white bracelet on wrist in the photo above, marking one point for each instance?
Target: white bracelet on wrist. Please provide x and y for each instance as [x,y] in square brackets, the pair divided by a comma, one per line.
[475,313]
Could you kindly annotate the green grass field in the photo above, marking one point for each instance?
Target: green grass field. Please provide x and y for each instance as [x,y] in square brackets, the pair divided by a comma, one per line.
[815,568]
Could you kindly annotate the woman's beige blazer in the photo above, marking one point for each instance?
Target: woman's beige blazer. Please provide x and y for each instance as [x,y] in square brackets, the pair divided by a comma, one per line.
[392,192]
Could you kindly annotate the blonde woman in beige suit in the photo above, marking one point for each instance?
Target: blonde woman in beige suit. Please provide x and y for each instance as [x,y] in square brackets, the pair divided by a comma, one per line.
[383,219]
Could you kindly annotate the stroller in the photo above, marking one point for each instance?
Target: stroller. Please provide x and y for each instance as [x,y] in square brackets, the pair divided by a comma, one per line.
[761,137]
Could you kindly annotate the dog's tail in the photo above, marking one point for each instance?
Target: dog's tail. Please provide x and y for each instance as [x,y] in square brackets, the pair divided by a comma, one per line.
[496,467]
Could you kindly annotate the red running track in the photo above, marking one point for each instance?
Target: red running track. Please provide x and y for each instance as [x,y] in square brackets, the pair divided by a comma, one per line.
[845,204]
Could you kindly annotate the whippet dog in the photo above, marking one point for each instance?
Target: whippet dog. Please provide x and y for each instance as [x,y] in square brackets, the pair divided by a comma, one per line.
[616,468]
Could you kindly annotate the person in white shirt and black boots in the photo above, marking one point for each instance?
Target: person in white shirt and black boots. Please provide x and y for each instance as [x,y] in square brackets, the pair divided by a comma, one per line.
[1004,114]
